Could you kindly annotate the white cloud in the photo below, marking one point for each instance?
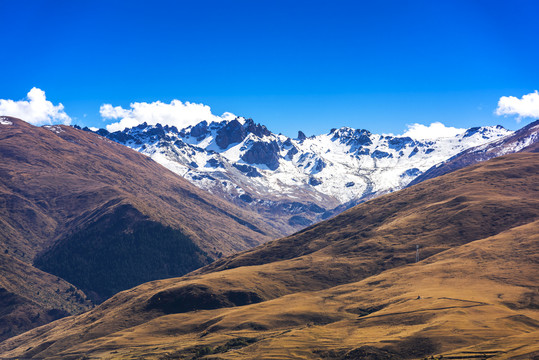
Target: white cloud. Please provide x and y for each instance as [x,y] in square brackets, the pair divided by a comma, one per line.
[176,114]
[434,131]
[527,106]
[36,110]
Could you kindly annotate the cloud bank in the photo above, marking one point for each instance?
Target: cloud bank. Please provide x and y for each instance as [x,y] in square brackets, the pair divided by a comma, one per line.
[176,114]
[527,106]
[36,109]
[435,130]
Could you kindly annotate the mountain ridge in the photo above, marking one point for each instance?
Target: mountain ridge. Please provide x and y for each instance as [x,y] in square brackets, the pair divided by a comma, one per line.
[294,182]
[61,187]
[525,139]
[347,286]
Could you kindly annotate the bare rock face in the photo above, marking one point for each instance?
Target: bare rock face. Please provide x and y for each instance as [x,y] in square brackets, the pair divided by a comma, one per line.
[263,153]
[256,129]
[200,130]
[233,132]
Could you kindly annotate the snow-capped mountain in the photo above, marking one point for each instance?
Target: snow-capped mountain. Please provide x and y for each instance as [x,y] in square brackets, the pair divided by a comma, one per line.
[525,139]
[299,180]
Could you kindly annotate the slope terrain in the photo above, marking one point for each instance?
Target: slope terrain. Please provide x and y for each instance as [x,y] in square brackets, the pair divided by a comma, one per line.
[525,139]
[347,288]
[30,297]
[294,182]
[105,217]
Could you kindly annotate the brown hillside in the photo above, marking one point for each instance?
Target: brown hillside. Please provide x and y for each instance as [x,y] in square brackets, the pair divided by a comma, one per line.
[347,288]
[30,297]
[54,179]
[438,214]
[105,217]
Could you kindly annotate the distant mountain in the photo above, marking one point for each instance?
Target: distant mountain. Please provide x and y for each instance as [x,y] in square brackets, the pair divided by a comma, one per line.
[104,217]
[294,182]
[346,288]
[523,140]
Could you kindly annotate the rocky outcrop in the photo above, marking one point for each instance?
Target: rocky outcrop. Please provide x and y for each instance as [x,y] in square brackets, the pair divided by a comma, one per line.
[232,133]
[261,152]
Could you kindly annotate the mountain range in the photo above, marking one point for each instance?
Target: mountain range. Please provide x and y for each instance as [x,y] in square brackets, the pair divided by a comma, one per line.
[294,182]
[352,287]
[82,218]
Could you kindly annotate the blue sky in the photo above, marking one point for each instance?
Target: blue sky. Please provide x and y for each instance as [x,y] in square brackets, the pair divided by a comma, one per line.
[291,65]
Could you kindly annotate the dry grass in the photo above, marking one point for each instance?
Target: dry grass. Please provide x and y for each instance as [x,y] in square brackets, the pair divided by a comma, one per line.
[30,297]
[348,288]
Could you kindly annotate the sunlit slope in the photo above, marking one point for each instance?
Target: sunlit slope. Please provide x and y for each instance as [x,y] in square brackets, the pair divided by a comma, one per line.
[478,298]
[438,214]
[348,287]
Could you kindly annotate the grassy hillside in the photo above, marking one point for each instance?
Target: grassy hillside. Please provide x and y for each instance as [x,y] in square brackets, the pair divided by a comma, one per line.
[346,288]
[147,251]
[103,217]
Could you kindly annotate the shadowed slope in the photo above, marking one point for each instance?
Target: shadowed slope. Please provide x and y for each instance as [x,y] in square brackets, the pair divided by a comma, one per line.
[60,177]
[477,228]
[30,297]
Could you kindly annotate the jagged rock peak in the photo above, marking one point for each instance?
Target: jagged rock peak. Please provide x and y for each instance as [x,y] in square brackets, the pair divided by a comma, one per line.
[266,153]
[200,129]
[251,157]
[234,132]
[349,132]
[483,130]
[356,138]
[257,129]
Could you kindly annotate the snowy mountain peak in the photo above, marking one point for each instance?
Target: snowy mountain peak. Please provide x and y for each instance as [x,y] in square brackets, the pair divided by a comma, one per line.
[524,139]
[251,166]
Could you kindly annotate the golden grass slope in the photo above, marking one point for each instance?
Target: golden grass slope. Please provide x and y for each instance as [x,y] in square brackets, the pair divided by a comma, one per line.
[347,288]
